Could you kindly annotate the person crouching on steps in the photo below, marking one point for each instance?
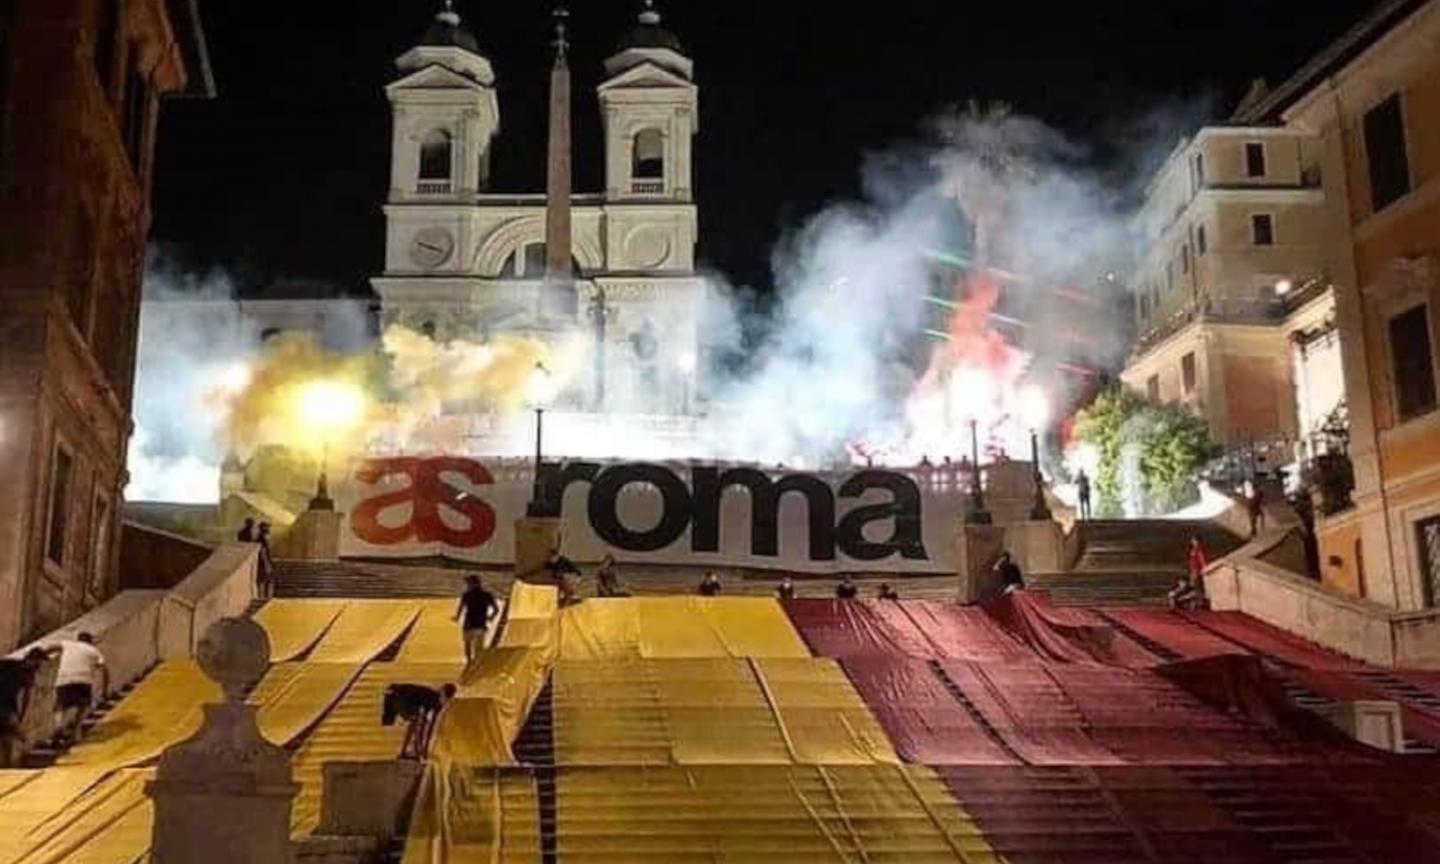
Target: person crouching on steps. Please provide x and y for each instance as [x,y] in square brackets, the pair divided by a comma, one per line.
[419,706]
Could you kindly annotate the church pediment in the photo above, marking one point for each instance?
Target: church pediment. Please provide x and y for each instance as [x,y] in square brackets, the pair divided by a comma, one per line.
[646,75]
[434,77]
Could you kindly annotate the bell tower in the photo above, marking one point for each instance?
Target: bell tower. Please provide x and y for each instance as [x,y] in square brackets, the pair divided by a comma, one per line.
[445,115]
[648,105]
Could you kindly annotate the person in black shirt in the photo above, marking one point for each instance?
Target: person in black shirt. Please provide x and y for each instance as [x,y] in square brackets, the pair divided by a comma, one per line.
[846,590]
[477,607]
[786,589]
[886,592]
[17,686]
[563,573]
[265,565]
[710,585]
[1009,573]
[419,706]
[247,531]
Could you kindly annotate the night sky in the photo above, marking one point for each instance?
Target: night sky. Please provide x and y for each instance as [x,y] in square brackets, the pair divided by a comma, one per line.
[282,176]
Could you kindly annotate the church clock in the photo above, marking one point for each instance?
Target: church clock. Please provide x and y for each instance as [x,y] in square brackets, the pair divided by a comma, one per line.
[431,248]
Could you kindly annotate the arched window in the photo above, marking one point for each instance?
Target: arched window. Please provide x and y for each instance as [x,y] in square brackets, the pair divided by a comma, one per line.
[648,162]
[435,156]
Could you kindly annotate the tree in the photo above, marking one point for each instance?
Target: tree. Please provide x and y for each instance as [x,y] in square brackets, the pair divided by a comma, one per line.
[1103,425]
[1172,443]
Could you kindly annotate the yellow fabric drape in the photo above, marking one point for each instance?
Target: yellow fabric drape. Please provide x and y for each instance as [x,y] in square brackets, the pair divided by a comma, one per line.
[109,824]
[30,805]
[163,709]
[292,697]
[661,712]
[464,815]
[530,617]
[822,717]
[13,778]
[295,625]
[678,627]
[875,813]
[364,629]
[436,636]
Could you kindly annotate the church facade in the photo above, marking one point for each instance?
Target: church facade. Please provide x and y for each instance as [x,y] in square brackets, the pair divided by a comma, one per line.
[462,261]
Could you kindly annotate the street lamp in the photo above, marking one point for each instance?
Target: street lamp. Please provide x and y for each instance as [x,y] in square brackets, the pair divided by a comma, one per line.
[329,408]
[1035,411]
[540,390]
[977,514]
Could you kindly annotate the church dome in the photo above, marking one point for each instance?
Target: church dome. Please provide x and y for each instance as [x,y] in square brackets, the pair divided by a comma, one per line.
[648,33]
[446,32]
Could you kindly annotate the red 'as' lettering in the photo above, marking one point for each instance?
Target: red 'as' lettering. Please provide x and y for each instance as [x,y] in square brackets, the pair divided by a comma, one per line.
[426,494]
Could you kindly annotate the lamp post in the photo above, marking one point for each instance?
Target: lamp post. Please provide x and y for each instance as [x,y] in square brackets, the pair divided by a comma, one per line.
[977,514]
[540,391]
[1036,410]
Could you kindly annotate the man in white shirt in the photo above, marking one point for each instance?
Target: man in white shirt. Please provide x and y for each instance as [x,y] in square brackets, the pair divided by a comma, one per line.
[82,673]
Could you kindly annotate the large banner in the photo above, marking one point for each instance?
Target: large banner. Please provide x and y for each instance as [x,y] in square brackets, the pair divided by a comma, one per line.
[696,515]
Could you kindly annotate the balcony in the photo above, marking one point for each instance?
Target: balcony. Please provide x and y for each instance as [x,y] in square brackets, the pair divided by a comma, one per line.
[647,186]
[432,187]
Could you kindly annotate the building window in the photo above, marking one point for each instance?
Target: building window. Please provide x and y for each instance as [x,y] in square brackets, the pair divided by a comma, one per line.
[1201,244]
[107,37]
[100,545]
[58,518]
[1262,229]
[1197,172]
[1254,159]
[1386,153]
[435,156]
[1169,275]
[648,161]
[1412,362]
[1144,305]
[1187,373]
[1152,388]
[1428,537]
[1184,257]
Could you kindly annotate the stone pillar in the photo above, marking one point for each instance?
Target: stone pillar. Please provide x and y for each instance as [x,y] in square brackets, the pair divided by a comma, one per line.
[224,795]
[535,536]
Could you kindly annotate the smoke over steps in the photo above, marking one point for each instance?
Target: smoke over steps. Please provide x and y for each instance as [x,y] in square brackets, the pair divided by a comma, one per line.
[959,290]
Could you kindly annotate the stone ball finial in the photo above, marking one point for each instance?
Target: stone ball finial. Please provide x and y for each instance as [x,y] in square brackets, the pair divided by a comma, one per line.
[234,652]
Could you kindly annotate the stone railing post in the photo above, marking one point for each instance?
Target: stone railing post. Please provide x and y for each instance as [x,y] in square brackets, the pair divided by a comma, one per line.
[224,795]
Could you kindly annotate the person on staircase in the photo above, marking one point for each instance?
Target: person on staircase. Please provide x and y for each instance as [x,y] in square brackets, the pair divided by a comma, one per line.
[82,677]
[1255,506]
[264,565]
[786,589]
[564,575]
[419,706]
[710,585]
[477,608]
[1008,572]
[1189,592]
[17,691]
[1082,489]
[607,579]
[846,590]
[886,592]
[246,534]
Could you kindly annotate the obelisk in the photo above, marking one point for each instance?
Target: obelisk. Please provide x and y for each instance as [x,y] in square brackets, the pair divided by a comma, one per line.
[558,301]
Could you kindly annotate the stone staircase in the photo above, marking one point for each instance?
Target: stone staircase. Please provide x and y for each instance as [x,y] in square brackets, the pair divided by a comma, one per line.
[1132,562]
[45,754]
[372,580]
